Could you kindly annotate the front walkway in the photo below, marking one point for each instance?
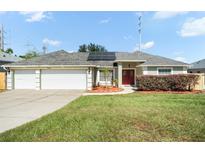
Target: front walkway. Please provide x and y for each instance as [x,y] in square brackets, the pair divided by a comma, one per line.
[126,90]
[20,106]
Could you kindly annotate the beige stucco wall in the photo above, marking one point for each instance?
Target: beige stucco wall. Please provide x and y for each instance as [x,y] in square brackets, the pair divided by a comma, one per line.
[139,71]
[129,65]
[201,82]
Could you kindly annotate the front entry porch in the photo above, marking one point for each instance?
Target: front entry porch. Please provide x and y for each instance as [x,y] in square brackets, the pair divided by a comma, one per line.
[127,71]
[121,74]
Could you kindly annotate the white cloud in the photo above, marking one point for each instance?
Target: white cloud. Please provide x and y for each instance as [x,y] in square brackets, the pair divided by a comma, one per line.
[105,21]
[193,27]
[35,16]
[146,45]
[165,14]
[51,42]
[183,59]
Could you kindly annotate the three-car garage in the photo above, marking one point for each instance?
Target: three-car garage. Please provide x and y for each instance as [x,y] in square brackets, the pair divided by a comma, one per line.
[50,79]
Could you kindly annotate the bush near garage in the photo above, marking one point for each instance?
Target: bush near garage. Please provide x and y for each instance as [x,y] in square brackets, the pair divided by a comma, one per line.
[179,82]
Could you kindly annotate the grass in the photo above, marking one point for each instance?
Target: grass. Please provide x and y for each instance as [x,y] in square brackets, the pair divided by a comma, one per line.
[132,117]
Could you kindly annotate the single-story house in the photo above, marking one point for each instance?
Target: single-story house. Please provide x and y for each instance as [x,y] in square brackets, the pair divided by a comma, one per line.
[6,59]
[78,70]
[197,67]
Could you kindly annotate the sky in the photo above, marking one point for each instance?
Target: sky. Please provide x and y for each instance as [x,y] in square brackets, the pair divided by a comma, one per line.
[176,35]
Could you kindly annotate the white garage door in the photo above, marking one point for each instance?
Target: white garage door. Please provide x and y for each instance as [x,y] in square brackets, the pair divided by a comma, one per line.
[63,79]
[24,79]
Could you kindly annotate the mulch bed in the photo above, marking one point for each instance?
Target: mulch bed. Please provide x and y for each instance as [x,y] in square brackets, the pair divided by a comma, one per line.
[173,92]
[103,89]
[2,90]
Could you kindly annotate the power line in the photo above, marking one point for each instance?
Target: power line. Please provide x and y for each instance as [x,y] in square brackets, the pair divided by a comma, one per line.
[44,49]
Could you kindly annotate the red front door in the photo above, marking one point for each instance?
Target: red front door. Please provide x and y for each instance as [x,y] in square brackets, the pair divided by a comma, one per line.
[128,77]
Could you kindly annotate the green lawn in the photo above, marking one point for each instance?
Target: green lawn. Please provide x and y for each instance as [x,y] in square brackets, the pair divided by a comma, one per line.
[132,117]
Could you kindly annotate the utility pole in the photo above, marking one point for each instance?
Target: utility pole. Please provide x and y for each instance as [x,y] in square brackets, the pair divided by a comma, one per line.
[2,38]
[140,30]
[44,49]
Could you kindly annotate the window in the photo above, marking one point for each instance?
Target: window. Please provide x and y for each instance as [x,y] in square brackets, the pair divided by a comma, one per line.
[163,71]
[102,75]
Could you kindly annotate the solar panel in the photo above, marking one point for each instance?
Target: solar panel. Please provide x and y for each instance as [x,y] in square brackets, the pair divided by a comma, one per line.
[101,56]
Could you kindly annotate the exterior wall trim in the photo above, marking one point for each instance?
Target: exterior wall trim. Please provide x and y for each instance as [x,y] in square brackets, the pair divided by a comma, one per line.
[48,66]
[130,61]
[167,65]
[89,79]
[10,80]
[38,79]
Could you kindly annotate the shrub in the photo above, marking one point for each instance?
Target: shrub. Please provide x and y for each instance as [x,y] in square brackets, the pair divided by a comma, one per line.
[179,82]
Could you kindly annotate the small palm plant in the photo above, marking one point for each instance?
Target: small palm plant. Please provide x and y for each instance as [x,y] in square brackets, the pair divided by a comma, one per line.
[106,73]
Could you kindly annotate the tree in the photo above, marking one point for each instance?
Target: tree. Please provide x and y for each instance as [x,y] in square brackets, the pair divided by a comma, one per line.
[92,47]
[30,54]
[83,48]
[9,51]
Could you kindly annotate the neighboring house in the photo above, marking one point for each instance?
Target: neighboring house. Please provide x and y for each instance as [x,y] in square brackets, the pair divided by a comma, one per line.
[6,59]
[63,70]
[197,67]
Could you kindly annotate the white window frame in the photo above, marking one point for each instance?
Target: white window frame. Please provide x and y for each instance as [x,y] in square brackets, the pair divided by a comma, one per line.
[108,80]
[160,68]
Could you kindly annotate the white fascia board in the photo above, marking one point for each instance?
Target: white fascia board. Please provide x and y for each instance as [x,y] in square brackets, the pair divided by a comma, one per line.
[130,61]
[49,66]
[166,65]
[105,67]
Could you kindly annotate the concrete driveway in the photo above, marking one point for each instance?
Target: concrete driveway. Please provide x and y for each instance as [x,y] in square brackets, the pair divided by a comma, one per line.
[20,106]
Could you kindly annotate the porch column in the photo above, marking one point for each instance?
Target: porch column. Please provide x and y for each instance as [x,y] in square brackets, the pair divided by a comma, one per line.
[98,77]
[10,80]
[119,74]
[89,79]
[38,79]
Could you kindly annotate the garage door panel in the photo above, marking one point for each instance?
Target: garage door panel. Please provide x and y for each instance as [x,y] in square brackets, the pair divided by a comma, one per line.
[63,79]
[24,79]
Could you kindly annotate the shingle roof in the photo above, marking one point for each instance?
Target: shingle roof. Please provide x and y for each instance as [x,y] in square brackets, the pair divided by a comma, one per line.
[198,64]
[57,58]
[80,58]
[4,57]
[157,60]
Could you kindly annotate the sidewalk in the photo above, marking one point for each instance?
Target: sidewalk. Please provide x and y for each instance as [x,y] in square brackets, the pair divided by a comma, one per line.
[126,90]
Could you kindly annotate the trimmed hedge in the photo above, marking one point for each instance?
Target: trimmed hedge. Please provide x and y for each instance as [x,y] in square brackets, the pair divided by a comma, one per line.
[178,82]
